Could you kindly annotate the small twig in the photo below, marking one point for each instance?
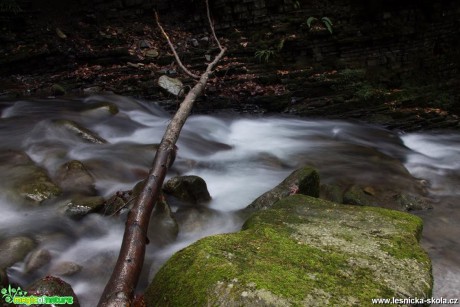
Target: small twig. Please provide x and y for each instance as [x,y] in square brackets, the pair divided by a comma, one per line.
[124,206]
[212,27]
[179,62]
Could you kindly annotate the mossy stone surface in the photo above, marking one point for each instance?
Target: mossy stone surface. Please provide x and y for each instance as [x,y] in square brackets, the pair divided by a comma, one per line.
[301,252]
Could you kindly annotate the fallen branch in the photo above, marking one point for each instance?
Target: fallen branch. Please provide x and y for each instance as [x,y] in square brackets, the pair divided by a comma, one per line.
[119,291]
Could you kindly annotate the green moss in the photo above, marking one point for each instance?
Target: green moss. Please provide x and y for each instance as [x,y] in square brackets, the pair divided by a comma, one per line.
[301,251]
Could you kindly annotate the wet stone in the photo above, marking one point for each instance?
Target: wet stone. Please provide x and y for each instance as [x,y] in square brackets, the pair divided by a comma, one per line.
[163,227]
[26,180]
[74,177]
[66,268]
[81,206]
[332,193]
[171,85]
[356,195]
[37,259]
[80,131]
[411,202]
[191,189]
[14,250]
[298,253]
[52,286]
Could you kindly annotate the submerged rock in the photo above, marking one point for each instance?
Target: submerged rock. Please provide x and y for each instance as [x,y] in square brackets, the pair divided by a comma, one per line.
[411,202]
[99,109]
[25,179]
[163,227]
[357,195]
[14,250]
[331,192]
[73,176]
[191,189]
[37,259]
[302,181]
[80,131]
[301,252]
[195,219]
[81,206]
[65,268]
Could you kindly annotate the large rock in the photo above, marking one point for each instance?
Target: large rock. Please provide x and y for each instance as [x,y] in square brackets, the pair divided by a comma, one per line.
[303,251]
[302,181]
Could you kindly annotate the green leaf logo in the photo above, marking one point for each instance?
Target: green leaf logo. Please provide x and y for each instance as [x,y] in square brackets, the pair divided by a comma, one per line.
[8,294]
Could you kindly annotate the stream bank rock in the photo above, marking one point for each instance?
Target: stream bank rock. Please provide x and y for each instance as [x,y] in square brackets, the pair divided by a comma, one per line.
[303,251]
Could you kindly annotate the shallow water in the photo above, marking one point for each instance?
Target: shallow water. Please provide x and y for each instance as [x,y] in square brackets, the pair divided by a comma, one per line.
[239,158]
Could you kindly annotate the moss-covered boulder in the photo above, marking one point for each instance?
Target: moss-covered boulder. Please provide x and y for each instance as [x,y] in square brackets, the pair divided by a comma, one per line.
[301,181]
[303,251]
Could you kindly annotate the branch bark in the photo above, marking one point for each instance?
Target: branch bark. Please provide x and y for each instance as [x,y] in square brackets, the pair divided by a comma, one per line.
[119,290]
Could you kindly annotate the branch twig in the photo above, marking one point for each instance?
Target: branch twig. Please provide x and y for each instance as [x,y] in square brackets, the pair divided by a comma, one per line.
[212,27]
[179,62]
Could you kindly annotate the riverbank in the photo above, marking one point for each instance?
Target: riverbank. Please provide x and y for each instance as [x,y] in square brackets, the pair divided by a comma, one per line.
[80,51]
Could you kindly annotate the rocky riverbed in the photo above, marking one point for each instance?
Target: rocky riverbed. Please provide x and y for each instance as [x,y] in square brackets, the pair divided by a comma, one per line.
[72,165]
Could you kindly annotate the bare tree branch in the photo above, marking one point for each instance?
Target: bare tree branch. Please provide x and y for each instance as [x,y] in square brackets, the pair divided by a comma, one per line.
[119,291]
[212,27]
[179,62]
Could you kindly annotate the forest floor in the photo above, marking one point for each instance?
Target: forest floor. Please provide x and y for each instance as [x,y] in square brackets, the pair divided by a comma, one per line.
[45,54]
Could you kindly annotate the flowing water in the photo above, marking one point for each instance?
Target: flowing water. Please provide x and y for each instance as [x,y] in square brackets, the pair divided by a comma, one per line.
[239,157]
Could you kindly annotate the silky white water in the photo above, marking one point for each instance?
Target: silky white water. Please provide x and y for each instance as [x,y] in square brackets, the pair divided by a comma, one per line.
[239,158]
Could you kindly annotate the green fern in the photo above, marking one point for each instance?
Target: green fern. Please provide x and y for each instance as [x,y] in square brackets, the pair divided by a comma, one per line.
[310,20]
[296,4]
[264,55]
[328,23]
[325,20]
